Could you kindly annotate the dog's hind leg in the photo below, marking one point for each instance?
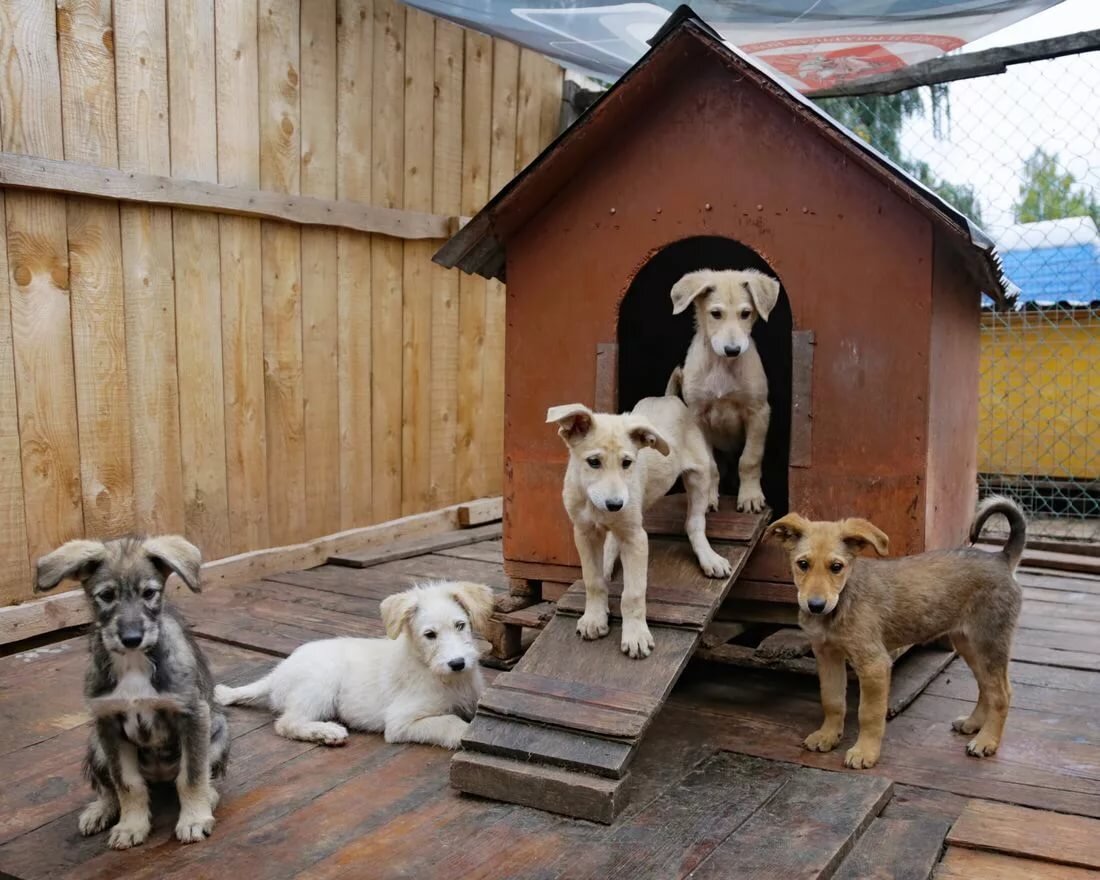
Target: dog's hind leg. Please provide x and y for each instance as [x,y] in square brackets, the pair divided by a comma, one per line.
[991,670]
[698,485]
[302,719]
[972,723]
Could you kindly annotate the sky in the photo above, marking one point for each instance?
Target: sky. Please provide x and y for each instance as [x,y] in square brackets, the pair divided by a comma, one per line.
[996,122]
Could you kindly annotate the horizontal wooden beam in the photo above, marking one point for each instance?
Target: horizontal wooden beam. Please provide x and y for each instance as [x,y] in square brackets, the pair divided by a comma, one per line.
[969,65]
[71,178]
[40,616]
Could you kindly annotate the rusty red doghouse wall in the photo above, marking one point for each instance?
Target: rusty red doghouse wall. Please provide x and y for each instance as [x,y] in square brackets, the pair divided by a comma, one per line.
[894,316]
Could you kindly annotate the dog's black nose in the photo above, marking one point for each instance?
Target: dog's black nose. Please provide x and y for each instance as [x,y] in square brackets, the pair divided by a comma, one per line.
[130,639]
[457,665]
[733,350]
[816,606]
[614,504]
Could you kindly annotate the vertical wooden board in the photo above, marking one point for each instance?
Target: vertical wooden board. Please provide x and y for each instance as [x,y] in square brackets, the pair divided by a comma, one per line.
[201,382]
[280,161]
[237,64]
[95,260]
[532,67]
[319,273]
[38,265]
[354,62]
[141,79]
[30,88]
[476,145]
[551,79]
[417,299]
[446,199]
[502,167]
[15,575]
[192,97]
[387,191]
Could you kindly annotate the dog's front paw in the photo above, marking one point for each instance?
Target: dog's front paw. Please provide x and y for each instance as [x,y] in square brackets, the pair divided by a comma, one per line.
[194,826]
[821,740]
[128,833]
[452,738]
[714,564]
[966,724]
[982,746]
[862,756]
[750,499]
[637,641]
[96,817]
[593,625]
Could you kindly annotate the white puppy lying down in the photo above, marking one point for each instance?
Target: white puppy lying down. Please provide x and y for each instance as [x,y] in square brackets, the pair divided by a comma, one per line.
[413,686]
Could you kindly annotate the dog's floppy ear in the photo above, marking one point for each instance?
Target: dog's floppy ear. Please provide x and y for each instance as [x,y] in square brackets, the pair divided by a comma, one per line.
[476,600]
[172,554]
[397,610]
[787,531]
[574,421]
[764,291]
[76,559]
[861,534]
[689,288]
[645,435]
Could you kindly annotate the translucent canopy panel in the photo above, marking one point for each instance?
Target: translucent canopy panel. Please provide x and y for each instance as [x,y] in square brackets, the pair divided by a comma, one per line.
[813,44]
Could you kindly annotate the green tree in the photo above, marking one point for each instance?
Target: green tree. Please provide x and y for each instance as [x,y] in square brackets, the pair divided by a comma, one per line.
[879,120]
[1049,193]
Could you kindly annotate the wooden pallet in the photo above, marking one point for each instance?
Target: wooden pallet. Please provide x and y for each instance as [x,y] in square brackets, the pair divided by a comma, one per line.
[560,731]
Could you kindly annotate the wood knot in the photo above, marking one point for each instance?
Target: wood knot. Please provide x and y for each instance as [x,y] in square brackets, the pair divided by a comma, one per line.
[22,276]
[109,40]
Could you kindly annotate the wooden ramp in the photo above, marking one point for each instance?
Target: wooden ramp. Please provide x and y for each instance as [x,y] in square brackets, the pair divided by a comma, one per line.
[559,732]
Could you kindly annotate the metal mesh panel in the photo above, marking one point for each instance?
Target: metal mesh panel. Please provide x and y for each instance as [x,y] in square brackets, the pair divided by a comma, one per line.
[1020,153]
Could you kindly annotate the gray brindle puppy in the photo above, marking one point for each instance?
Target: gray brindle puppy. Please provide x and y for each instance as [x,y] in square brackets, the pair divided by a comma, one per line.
[149,687]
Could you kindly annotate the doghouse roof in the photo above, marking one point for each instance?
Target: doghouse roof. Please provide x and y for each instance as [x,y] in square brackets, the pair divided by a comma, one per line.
[478,248]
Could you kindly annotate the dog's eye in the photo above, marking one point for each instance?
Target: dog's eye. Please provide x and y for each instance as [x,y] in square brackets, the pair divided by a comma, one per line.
[429,635]
[627,462]
[148,594]
[716,313]
[106,596]
[803,564]
[746,314]
[594,462]
[836,567]
[460,625]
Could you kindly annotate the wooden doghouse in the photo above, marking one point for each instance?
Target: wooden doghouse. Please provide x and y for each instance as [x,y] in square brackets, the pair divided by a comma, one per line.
[699,158]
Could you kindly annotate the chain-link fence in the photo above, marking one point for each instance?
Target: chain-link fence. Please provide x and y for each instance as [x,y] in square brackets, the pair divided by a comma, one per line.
[1020,153]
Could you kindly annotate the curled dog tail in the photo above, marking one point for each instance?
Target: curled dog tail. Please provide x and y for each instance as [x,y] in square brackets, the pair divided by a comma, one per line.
[1017,526]
[675,385]
[248,693]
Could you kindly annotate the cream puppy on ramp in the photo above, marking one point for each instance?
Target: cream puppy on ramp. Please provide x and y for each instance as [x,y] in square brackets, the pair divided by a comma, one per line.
[618,466]
[418,685]
[722,380]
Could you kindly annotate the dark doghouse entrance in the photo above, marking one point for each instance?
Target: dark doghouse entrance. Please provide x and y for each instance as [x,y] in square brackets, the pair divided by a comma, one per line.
[653,341]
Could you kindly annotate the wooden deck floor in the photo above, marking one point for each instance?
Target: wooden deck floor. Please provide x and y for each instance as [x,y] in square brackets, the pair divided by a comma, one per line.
[722,788]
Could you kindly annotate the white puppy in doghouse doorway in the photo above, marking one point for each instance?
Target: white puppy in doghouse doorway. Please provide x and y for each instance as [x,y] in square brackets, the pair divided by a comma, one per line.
[722,380]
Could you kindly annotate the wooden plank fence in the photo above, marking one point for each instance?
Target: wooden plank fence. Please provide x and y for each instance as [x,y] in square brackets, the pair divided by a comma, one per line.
[218,313]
